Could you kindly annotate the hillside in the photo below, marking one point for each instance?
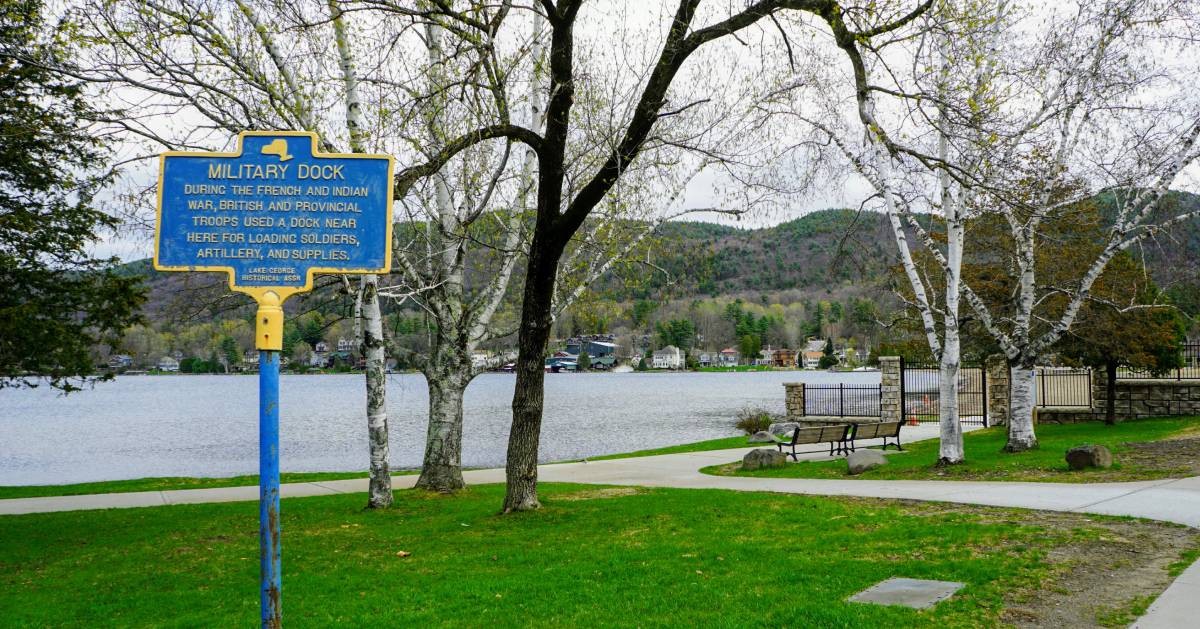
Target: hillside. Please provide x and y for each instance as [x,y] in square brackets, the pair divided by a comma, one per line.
[821,253]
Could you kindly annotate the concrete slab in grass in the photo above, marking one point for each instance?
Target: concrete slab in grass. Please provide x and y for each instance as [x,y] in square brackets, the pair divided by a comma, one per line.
[914,593]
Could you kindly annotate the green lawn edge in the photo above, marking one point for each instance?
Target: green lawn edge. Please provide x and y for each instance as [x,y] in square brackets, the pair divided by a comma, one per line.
[168,483]
[985,460]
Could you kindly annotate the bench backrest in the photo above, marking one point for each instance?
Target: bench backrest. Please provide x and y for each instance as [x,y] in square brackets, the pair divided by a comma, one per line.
[819,434]
[877,429]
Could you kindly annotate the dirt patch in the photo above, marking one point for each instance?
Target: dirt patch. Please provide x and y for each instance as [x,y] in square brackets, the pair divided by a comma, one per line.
[1105,572]
[1176,457]
[593,494]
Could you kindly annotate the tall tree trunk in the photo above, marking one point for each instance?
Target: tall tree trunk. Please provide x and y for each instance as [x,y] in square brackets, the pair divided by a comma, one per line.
[1110,405]
[950,450]
[447,373]
[369,316]
[534,335]
[379,492]
[1020,425]
[950,446]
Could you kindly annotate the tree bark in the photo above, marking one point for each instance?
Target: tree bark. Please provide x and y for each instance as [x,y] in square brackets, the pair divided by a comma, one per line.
[950,450]
[525,434]
[1020,426]
[447,374]
[379,492]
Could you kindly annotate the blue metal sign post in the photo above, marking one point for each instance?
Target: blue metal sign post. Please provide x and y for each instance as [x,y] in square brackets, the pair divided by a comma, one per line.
[272,215]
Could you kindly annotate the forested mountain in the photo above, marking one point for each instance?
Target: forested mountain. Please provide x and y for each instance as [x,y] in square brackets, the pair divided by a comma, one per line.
[821,253]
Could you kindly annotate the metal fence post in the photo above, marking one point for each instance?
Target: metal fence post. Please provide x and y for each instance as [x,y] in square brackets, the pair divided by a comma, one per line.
[983,393]
[268,486]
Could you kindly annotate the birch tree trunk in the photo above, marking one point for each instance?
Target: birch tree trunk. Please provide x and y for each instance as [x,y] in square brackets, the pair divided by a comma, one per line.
[371,343]
[950,448]
[379,491]
[1020,426]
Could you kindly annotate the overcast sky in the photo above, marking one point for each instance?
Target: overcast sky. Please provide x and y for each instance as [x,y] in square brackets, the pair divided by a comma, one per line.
[699,193]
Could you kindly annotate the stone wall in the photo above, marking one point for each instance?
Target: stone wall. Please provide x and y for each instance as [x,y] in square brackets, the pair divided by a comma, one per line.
[793,400]
[1134,398]
[1065,415]
[999,390]
[891,406]
[1150,398]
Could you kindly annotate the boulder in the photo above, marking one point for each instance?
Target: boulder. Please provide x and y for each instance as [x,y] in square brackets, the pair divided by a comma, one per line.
[762,436]
[860,461]
[783,430]
[763,458]
[1082,457]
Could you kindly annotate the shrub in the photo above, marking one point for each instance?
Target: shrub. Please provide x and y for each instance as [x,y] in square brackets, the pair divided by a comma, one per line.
[751,419]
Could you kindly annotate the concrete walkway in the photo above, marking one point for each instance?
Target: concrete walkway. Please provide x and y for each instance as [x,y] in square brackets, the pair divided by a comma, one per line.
[1172,500]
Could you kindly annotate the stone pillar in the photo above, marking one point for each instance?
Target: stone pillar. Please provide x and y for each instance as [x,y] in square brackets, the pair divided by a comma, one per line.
[1099,390]
[999,390]
[794,400]
[891,406]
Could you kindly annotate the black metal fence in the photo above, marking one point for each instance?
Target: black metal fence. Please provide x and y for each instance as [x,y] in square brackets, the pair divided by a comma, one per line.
[842,400]
[1189,371]
[1063,387]
[921,392]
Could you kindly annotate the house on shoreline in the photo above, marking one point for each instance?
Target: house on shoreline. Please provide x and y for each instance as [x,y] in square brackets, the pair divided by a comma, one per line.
[669,357]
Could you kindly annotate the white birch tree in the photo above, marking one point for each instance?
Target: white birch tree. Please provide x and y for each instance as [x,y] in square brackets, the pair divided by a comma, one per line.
[1083,103]
[190,74]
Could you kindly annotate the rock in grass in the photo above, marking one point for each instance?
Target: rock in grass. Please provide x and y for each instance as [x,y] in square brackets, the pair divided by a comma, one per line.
[860,461]
[762,436]
[783,430]
[1083,457]
[763,458]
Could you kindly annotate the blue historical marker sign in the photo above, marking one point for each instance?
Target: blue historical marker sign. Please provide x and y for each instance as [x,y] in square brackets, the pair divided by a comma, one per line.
[272,215]
[275,212]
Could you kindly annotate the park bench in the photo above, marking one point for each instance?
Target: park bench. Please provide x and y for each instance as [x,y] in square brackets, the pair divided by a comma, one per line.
[835,436]
[877,430]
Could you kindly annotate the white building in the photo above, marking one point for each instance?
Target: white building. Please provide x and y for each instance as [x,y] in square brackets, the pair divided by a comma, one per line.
[168,363]
[669,357]
[813,351]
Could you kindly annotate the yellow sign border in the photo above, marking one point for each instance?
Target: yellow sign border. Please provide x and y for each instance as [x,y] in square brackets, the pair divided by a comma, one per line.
[278,294]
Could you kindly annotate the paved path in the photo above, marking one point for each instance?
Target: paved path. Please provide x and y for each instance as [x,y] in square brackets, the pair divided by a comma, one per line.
[1173,500]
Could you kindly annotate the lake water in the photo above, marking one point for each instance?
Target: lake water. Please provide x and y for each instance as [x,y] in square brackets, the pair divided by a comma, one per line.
[139,426]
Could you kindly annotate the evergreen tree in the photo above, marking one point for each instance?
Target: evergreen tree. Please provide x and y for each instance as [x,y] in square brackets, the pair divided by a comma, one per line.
[1107,336]
[827,358]
[57,301]
[750,346]
[230,353]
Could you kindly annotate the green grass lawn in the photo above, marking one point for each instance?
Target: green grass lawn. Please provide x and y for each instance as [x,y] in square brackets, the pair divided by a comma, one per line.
[723,443]
[165,483]
[180,482]
[986,461]
[591,557]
